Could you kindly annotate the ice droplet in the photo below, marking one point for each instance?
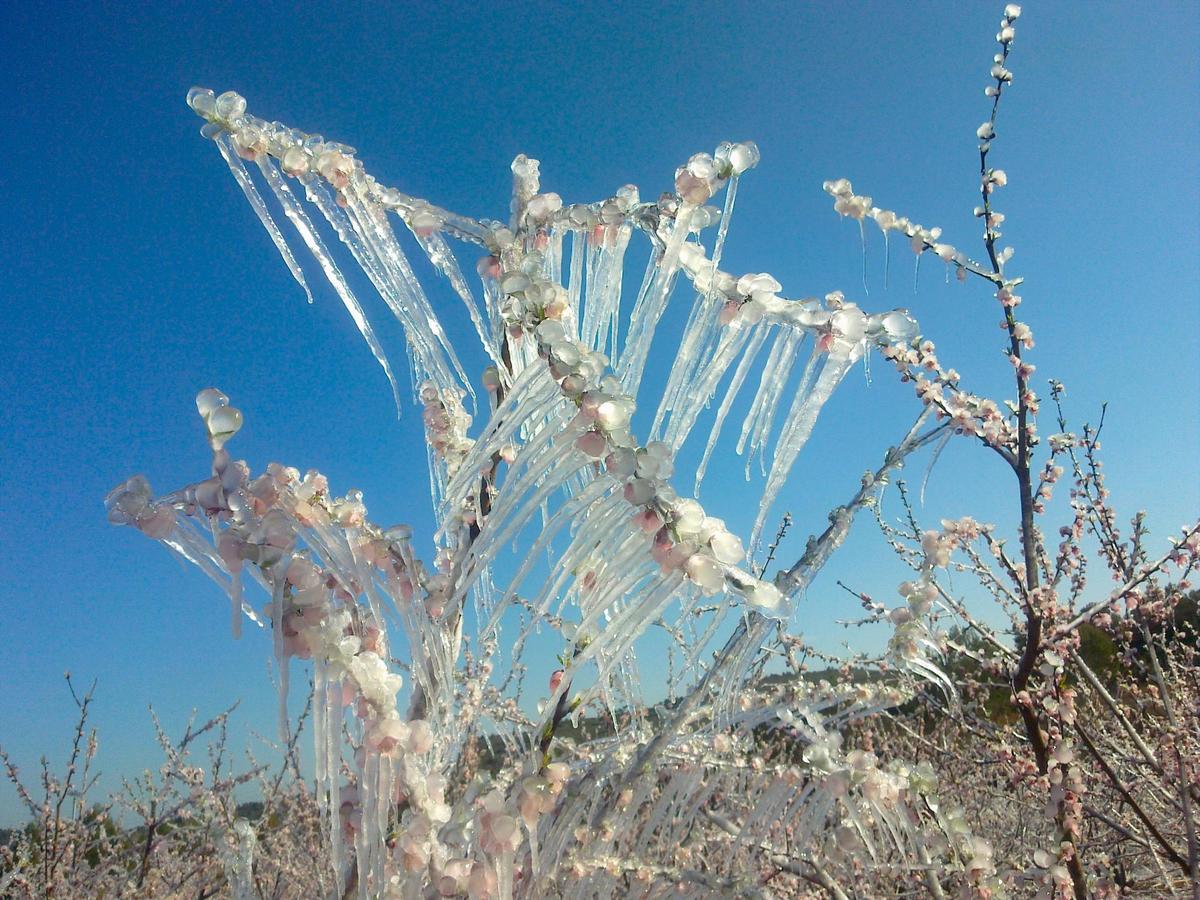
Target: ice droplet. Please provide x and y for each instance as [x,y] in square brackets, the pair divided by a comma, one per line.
[230,105]
[223,423]
[209,400]
[202,101]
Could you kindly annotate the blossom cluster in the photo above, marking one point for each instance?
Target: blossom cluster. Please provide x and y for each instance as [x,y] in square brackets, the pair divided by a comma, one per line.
[937,388]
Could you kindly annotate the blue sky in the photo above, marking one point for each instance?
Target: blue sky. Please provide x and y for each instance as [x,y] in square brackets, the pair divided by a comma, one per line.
[135,275]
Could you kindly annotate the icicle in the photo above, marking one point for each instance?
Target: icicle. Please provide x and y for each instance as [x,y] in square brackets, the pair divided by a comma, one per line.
[798,427]
[937,452]
[333,547]
[756,428]
[491,305]
[633,580]
[235,603]
[699,646]
[333,773]
[443,259]
[700,319]
[634,316]
[647,313]
[589,299]
[420,347]
[564,516]
[507,524]
[575,279]
[887,258]
[416,311]
[534,863]
[320,744]
[385,790]
[929,671]
[242,177]
[281,658]
[723,229]
[704,382]
[616,271]
[916,272]
[735,385]
[764,385]
[862,235]
[771,407]
[532,392]
[504,875]
[318,194]
[361,862]
[239,862]
[698,333]
[658,815]
[611,517]
[366,838]
[604,293]
[304,226]
[536,457]
[651,599]
[553,257]
[739,663]
[185,541]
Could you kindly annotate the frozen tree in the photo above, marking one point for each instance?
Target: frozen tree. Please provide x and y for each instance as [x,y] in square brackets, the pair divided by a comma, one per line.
[603,790]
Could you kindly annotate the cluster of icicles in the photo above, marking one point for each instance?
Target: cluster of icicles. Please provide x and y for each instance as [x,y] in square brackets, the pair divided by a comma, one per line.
[733,319]
[624,549]
[335,579]
[315,555]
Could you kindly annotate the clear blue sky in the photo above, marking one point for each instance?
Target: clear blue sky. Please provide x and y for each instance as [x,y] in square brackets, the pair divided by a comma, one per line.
[135,274]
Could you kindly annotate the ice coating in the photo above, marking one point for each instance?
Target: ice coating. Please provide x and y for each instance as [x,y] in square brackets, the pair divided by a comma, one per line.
[607,547]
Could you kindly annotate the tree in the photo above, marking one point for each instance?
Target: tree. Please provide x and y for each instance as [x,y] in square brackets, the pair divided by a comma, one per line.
[611,548]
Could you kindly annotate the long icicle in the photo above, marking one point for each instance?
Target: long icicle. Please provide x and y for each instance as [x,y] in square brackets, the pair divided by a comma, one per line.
[379,236]
[294,210]
[735,385]
[242,177]
[799,426]
[443,259]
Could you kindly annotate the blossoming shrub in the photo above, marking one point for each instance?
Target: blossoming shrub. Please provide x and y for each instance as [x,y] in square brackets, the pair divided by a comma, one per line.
[914,772]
